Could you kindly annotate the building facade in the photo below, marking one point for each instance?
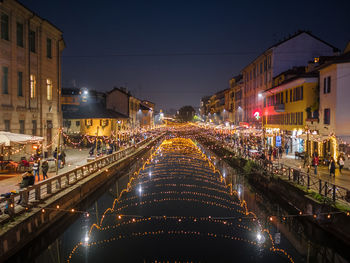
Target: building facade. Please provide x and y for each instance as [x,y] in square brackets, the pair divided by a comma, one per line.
[334,120]
[258,76]
[134,113]
[118,100]
[30,71]
[286,108]
[147,114]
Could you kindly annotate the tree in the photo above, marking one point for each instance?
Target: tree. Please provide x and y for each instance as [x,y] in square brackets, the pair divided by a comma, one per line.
[186,113]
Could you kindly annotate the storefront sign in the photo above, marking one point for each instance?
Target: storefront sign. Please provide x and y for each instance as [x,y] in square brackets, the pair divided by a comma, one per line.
[278,141]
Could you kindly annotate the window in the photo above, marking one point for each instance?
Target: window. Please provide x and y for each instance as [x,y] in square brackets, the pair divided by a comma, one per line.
[21,126]
[20,84]
[265,65]
[32,86]
[261,68]
[88,122]
[19,33]
[327,116]
[4,82]
[33,127]
[269,62]
[4,26]
[32,41]
[48,48]
[327,85]
[301,119]
[7,125]
[49,89]
[286,96]
[103,123]
[77,123]
[291,95]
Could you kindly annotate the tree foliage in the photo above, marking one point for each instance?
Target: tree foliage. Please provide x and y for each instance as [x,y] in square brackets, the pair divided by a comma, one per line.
[186,113]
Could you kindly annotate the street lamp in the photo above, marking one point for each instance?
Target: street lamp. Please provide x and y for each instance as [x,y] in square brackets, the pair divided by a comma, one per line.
[307,146]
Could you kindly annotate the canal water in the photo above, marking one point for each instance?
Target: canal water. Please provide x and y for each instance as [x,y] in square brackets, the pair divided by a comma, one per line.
[180,208]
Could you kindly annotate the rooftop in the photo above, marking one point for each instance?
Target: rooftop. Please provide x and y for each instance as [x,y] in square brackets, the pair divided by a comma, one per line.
[93,111]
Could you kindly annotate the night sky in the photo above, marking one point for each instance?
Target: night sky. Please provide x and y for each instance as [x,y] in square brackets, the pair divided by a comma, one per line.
[175,52]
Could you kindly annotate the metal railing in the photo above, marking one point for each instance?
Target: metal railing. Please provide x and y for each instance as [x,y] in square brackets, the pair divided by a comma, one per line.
[35,194]
[329,190]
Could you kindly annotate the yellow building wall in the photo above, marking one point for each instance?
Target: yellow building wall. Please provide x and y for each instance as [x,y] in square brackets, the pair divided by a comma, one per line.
[96,128]
[309,99]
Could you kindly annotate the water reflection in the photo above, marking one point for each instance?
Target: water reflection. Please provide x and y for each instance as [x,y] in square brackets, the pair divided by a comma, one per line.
[305,241]
[173,206]
[179,209]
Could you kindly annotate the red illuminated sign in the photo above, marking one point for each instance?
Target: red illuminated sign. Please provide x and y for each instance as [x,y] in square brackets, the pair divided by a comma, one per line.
[257,115]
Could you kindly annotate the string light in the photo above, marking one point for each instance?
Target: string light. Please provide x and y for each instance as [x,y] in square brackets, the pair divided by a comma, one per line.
[216,179]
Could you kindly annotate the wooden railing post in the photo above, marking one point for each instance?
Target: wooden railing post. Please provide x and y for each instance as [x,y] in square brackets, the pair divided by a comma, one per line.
[37,193]
[49,187]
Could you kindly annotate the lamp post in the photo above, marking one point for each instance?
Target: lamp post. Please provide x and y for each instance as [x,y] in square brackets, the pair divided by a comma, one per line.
[260,96]
[307,147]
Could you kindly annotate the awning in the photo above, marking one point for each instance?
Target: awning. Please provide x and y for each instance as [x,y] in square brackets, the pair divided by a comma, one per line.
[6,138]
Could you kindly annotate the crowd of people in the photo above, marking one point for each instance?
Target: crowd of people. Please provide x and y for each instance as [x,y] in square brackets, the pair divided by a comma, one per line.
[101,147]
[252,148]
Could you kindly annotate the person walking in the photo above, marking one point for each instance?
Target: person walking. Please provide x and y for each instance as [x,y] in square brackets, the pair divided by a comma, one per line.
[280,151]
[63,158]
[315,163]
[341,164]
[287,148]
[274,153]
[55,153]
[36,169]
[332,167]
[45,168]
[270,153]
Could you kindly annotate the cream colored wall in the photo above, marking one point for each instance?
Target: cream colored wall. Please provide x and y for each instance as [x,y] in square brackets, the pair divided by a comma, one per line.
[13,107]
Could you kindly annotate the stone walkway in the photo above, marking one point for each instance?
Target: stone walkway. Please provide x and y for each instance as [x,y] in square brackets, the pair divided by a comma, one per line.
[74,158]
[342,180]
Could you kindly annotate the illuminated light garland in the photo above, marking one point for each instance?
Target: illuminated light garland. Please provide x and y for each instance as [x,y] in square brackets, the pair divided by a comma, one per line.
[129,188]
[181,233]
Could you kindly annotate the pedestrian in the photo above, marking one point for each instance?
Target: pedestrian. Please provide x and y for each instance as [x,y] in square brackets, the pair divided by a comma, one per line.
[36,169]
[98,148]
[91,152]
[63,158]
[45,168]
[270,153]
[27,179]
[315,163]
[274,153]
[287,148]
[341,164]
[59,159]
[55,153]
[332,167]
[104,148]
[280,151]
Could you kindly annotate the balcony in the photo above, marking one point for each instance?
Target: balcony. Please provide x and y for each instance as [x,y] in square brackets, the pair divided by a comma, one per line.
[279,108]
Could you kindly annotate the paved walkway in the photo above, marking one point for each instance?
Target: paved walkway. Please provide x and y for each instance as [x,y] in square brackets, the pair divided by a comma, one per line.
[323,172]
[74,158]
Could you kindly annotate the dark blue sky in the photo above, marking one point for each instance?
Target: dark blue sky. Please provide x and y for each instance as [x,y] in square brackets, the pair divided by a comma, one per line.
[97,32]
